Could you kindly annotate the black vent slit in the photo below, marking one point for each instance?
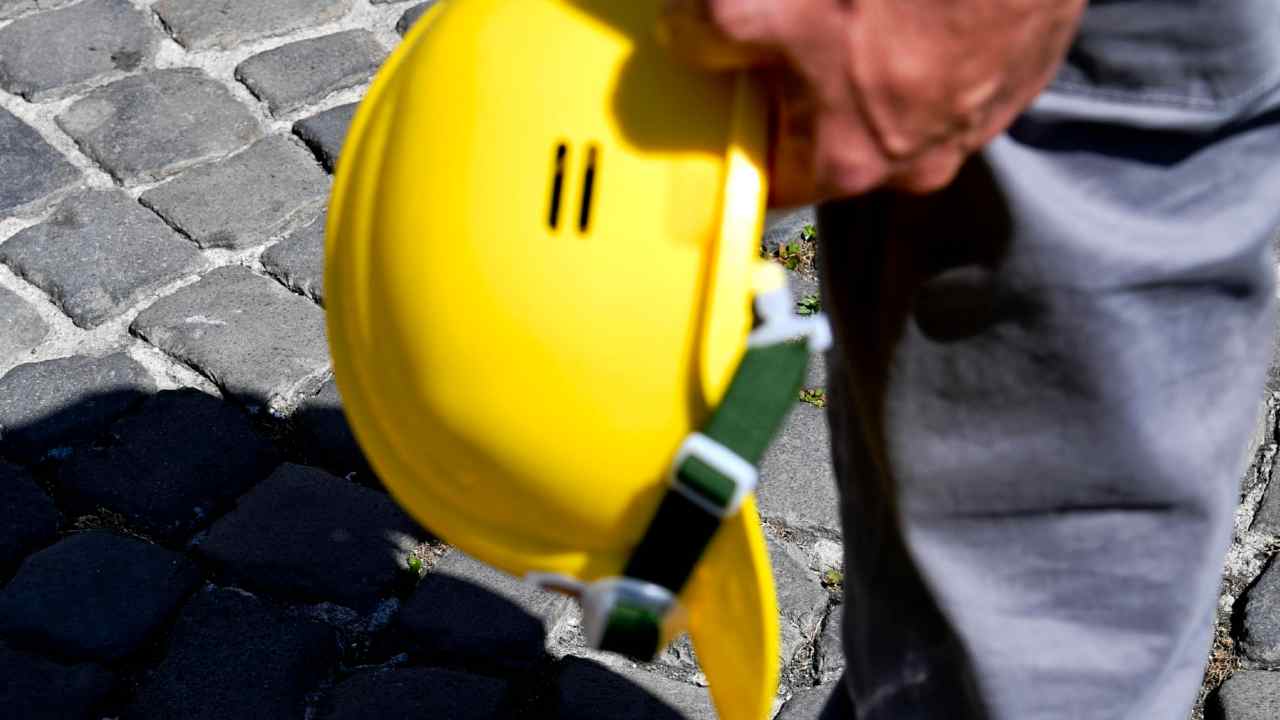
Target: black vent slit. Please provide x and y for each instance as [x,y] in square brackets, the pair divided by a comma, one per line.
[588,189]
[557,184]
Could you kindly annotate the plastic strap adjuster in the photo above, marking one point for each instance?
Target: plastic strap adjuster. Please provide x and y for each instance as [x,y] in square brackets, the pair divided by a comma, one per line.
[619,614]
[720,494]
[781,324]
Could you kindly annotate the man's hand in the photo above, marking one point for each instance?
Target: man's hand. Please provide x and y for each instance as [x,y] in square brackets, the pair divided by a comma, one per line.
[878,93]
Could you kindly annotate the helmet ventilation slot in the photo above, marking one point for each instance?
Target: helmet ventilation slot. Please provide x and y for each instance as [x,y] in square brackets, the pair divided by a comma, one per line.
[557,184]
[588,188]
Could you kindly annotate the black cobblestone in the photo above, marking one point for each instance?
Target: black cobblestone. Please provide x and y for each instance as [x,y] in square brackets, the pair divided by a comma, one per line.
[173,466]
[587,690]
[230,656]
[236,21]
[325,433]
[326,132]
[303,72]
[416,693]
[150,126]
[298,260]
[99,254]
[94,596]
[1261,637]
[35,688]
[21,327]
[51,54]
[1246,695]
[246,199]
[69,400]
[31,170]
[28,518]
[411,16]
[251,336]
[308,535]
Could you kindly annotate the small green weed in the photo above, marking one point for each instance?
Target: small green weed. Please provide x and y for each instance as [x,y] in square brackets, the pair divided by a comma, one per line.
[832,579]
[809,305]
[415,565]
[809,233]
[816,397]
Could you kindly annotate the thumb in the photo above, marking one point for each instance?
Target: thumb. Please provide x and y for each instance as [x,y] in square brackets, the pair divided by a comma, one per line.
[719,34]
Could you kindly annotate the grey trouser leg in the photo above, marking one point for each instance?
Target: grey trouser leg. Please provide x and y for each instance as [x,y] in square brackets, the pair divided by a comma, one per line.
[1045,380]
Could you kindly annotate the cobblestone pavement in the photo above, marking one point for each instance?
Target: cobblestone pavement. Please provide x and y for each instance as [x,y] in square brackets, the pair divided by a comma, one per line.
[187,528]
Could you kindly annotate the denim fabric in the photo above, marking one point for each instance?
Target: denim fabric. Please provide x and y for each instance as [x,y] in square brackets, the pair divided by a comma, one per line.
[1046,377]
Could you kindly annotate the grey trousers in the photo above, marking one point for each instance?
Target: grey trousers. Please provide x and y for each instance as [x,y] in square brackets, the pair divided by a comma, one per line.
[1046,377]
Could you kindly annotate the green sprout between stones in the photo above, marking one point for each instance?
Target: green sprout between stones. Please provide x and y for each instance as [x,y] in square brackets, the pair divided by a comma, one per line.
[809,305]
[791,255]
[808,233]
[415,565]
[832,579]
[816,397]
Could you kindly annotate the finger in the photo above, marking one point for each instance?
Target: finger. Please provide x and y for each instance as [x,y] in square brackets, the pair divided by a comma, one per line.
[719,34]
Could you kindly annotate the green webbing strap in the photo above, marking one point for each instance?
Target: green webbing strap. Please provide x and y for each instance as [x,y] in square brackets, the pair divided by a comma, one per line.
[762,392]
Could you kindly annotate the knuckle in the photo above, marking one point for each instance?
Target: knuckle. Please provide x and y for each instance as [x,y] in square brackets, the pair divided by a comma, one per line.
[744,21]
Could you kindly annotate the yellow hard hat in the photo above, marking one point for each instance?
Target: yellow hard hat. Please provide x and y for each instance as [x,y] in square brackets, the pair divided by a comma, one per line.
[542,261]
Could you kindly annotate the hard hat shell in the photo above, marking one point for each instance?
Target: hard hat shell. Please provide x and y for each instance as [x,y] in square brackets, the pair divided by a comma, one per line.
[540,257]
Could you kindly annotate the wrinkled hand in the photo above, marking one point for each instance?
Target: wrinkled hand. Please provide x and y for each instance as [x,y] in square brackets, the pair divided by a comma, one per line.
[878,93]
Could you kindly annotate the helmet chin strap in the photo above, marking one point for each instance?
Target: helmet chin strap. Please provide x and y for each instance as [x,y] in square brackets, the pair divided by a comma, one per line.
[713,472]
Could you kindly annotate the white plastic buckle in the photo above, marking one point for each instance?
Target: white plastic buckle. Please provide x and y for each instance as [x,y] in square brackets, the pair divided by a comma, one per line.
[781,323]
[724,461]
[599,599]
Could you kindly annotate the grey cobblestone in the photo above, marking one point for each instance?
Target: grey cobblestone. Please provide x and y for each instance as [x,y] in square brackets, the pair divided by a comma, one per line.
[162,487]
[147,127]
[466,612]
[326,132]
[14,8]
[416,693]
[246,199]
[198,26]
[51,54]
[801,598]
[28,518]
[797,481]
[298,260]
[21,327]
[1267,519]
[31,170]
[253,338]
[305,534]
[1261,638]
[1247,695]
[830,651]
[231,656]
[586,690]
[47,404]
[98,254]
[303,72]
[94,596]
[411,16]
[807,704]
[35,688]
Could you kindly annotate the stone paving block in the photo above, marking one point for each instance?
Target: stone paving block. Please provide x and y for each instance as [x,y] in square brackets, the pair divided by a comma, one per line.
[784,226]
[1246,695]
[305,534]
[801,598]
[416,693]
[246,199]
[464,611]
[797,481]
[411,16]
[1261,637]
[28,518]
[21,327]
[35,688]
[170,468]
[147,127]
[830,651]
[52,54]
[326,435]
[69,400]
[30,168]
[94,596]
[586,690]
[298,260]
[807,704]
[252,337]
[197,26]
[1267,519]
[230,656]
[99,254]
[326,132]
[303,72]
